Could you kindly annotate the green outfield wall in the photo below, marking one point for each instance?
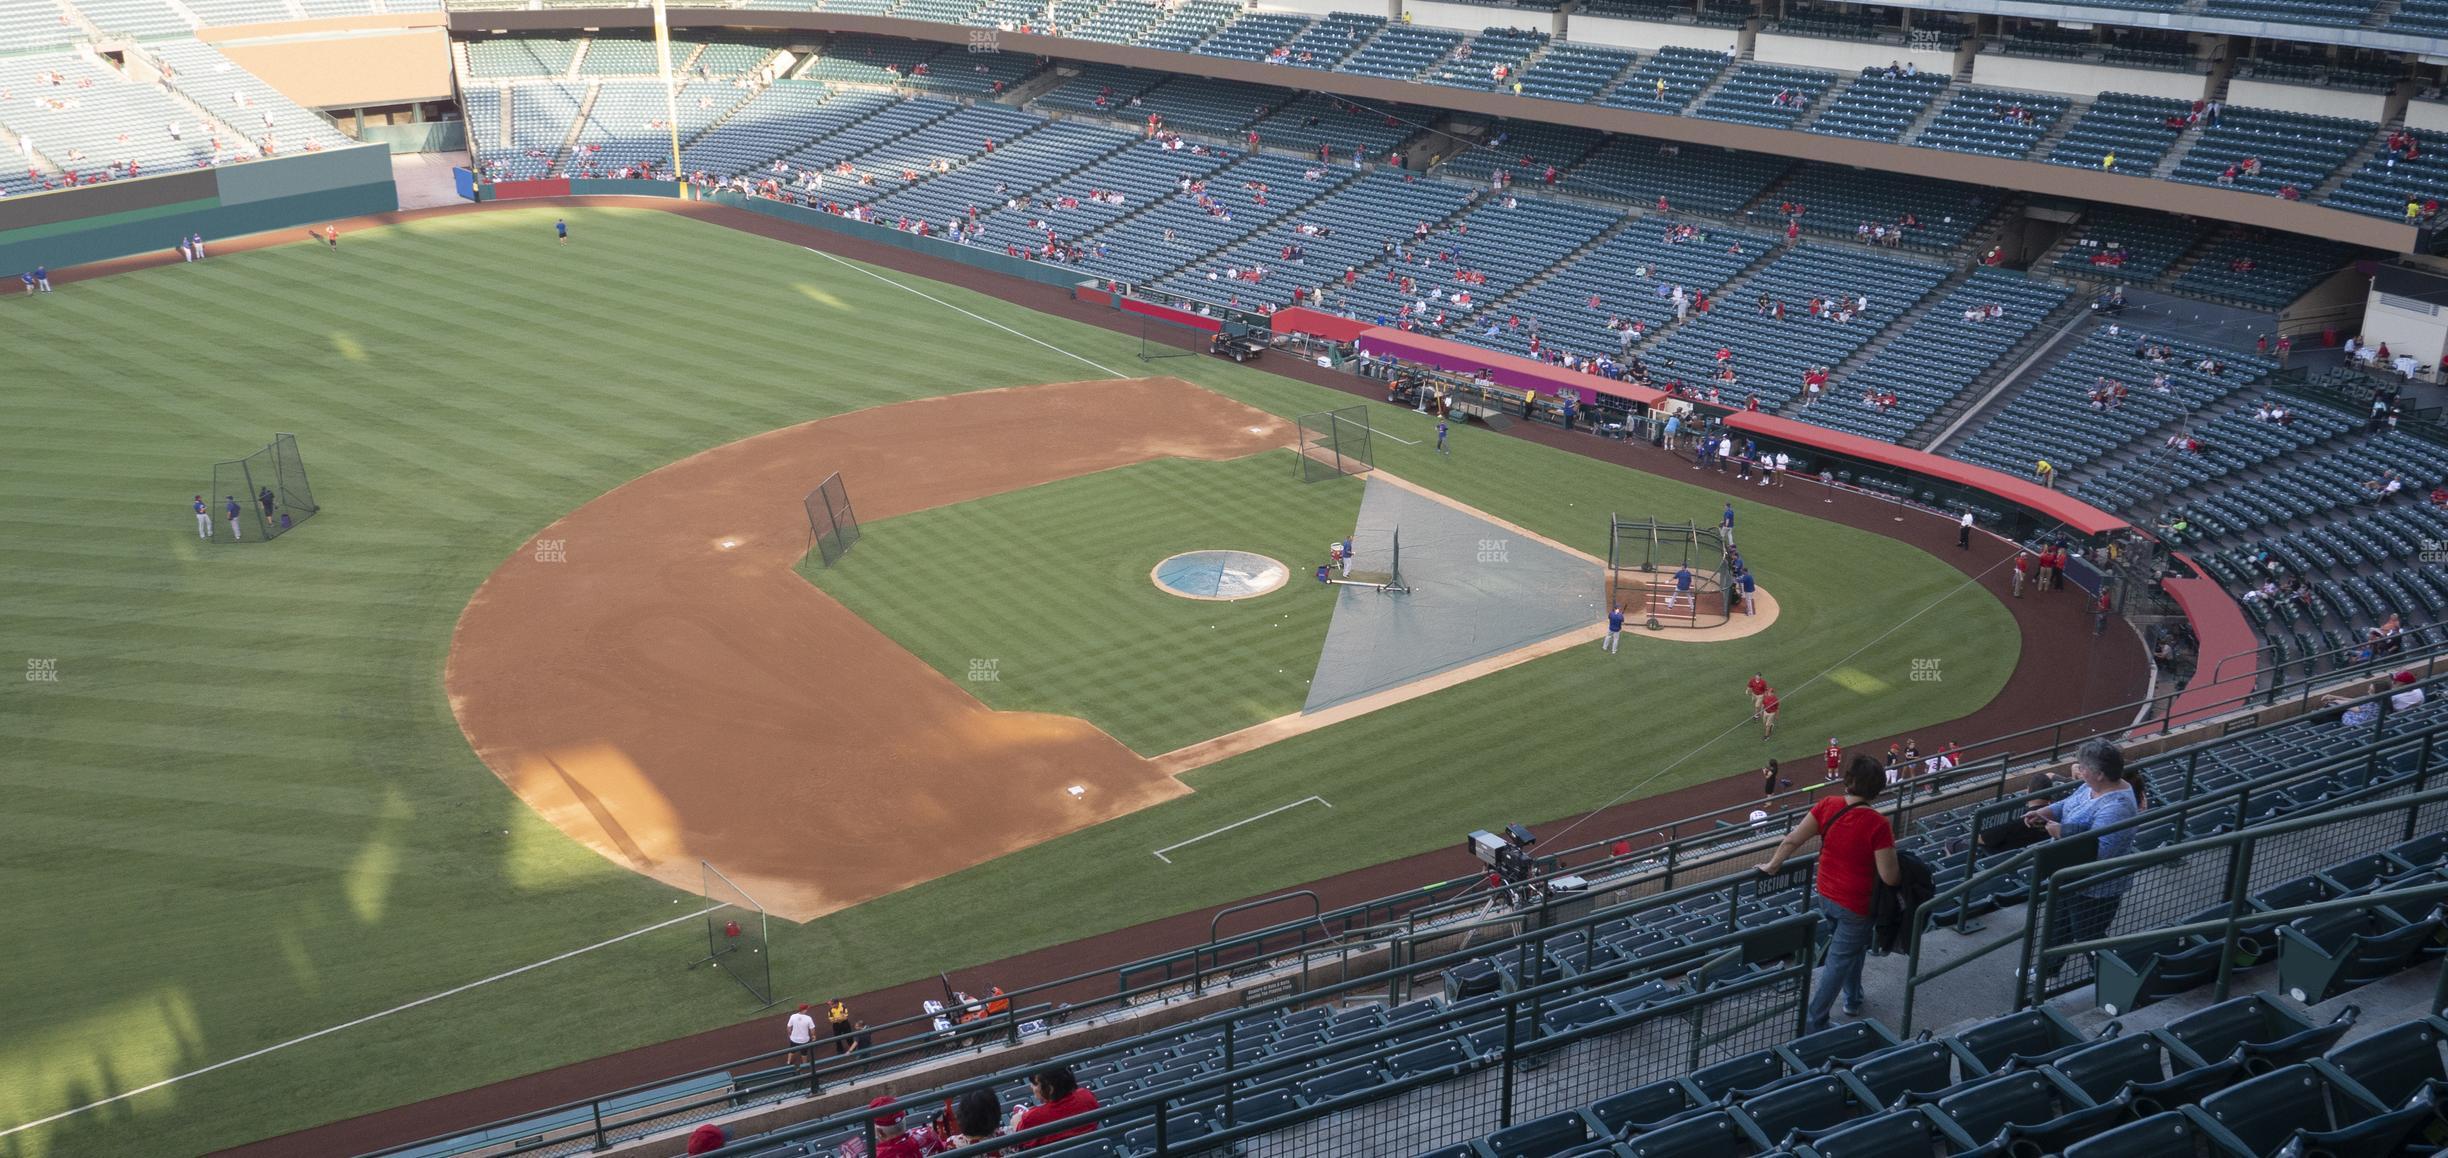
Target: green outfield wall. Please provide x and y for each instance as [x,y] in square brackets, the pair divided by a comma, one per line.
[72,227]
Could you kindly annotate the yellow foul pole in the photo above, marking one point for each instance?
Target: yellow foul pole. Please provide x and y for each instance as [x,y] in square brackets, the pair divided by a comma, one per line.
[671,99]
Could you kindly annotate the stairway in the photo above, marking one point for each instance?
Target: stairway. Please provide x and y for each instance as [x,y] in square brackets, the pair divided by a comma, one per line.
[1928,117]
[1731,291]
[578,59]
[2177,149]
[1827,100]
[2355,163]
[1506,301]
[1968,415]
[578,124]
[1710,89]
[2381,14]
[1974,396]
[1911,316]
[2057,132]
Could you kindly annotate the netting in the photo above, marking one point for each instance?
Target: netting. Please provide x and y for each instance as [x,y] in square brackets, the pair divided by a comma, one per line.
[1334,443]
[269,487]
[832,525]
[1646,560]
[735,936]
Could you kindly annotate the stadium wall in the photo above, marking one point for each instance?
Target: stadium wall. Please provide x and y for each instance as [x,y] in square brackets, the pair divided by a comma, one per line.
[2296,98]
[346,69]
[1472,18]
[2427,116]
[1651,35]
[988,260]
[2074,78]
[1849,55]
[100,222]
[2209,202]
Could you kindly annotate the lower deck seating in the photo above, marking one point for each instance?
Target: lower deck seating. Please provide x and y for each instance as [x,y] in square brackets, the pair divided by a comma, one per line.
[2055,418]
[1936,358]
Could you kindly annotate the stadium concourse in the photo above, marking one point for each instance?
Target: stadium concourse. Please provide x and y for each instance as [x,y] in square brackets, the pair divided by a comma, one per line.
[2067,673]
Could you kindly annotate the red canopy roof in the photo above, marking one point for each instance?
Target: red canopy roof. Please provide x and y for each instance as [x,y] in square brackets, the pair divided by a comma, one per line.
[2075,514]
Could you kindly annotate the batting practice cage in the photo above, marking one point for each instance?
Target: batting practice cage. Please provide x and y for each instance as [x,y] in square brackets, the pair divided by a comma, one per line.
[1333,443]
[735,936]
[1157,336]
[830,520]
[1384,573]
[268,485]
[1643,556]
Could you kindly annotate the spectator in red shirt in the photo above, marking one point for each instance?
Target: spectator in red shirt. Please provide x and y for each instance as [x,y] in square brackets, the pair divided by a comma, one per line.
[706,1139]
[1059,1096]
[1757,687]
[1856,849]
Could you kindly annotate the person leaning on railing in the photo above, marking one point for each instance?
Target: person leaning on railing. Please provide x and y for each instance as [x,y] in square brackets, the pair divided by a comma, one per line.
[1856,850]
[2106,797]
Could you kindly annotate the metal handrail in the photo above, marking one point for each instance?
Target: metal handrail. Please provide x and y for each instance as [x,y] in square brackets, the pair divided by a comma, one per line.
[2236,797]
[1674,851]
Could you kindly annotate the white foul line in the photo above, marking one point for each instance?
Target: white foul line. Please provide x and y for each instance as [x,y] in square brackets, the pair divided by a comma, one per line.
[1160,853]
[195,1073]
[1110,371]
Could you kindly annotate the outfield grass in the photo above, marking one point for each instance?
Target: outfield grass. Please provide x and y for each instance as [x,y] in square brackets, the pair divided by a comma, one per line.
[244,812]
[1013,579]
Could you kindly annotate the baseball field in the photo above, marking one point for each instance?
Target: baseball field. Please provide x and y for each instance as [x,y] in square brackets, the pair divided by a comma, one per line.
[264,796]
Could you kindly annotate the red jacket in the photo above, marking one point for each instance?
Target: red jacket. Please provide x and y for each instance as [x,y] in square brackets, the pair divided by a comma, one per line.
[1077,1102]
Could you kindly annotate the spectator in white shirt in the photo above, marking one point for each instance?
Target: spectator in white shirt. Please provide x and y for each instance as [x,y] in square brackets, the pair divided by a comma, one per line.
[802,1030]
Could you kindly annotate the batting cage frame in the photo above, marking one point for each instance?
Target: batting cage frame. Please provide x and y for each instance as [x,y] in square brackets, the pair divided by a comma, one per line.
[736,941]
[833,527]
[1387,582]
[1642,556]
[1334,443]
[269,485]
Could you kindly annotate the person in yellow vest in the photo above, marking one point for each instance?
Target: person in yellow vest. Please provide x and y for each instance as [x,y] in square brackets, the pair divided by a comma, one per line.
[1529,402]
[2047,474]
[2108,161]
[837,1012]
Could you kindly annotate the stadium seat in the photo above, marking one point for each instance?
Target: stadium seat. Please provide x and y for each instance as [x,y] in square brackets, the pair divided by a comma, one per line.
[1889,1135]
[1921,1067]
[2026,1097]
[1712,1135]
[1540,1138]
[2262,1034]
[1807,1104]
[2259,1115]
[1837,1043]
[2133,976]
[1643,1108]
[1751,1071]
[2395,1063]
[2168,1135]
[2029,1037]
[2321,957]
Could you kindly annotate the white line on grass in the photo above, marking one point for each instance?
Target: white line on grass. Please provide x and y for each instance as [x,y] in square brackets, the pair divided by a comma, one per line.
[224,1064]
[1109,371]
[1160,853]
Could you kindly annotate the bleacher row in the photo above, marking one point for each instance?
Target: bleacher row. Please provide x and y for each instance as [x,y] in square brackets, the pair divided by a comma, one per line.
[1602,1062]
[2121,131]
[86,120]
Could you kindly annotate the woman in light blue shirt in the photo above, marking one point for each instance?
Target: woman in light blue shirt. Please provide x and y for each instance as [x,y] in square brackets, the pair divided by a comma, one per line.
[2107,797]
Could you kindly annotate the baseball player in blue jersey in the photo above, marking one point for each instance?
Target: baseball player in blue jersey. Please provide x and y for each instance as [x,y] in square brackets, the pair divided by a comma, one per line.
[1441,439]
[203,513]
[1614,635]
[233,518]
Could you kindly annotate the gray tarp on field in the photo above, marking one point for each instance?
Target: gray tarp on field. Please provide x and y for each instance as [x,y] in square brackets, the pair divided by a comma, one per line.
[1478,590]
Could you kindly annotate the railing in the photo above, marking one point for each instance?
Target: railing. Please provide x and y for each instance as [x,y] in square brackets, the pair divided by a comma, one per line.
[2038,866]
[1755,1000]
[1663,859]
[2395,820]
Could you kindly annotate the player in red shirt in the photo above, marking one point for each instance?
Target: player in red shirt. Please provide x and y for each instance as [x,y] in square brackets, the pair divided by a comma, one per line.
[1758,687]
[2022,571]
[1767,713]
[1835,759]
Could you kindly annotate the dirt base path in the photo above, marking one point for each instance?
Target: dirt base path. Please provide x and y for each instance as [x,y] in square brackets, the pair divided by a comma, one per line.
[2065,671]
[652,676]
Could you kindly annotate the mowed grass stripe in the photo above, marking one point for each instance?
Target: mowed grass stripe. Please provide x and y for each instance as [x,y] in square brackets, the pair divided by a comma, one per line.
[458,384]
